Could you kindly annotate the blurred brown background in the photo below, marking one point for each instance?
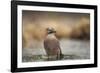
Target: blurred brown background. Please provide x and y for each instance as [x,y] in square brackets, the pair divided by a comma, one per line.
[67,25]
[72,30]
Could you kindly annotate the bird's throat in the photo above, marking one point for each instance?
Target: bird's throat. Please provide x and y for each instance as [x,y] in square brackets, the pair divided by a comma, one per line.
[52,35]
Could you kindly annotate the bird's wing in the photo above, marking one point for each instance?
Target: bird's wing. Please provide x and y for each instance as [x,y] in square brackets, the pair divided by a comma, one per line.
[52,45]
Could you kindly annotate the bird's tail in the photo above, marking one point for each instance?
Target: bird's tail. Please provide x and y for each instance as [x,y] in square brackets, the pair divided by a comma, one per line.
[60,55]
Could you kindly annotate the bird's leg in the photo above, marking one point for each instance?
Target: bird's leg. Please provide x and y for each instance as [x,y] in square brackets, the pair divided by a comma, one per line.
[59,55]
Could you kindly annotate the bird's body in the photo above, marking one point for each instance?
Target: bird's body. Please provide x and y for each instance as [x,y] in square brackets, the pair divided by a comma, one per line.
[52,47]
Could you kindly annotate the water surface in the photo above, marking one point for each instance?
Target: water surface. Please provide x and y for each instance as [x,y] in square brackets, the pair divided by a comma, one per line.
[71,49]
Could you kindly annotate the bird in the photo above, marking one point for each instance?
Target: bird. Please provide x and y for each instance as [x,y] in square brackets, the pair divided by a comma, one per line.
[52,45]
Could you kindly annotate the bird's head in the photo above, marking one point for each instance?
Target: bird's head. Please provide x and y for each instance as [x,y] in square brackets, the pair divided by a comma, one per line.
[51,30]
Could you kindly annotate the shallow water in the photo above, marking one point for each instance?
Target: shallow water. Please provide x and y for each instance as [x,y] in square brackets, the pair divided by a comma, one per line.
[71,49]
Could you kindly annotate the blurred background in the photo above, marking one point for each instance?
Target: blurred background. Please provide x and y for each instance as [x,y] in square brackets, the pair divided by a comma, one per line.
[72,30]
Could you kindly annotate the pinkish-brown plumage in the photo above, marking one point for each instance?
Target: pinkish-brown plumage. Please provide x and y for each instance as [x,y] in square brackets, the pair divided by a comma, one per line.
[52,46]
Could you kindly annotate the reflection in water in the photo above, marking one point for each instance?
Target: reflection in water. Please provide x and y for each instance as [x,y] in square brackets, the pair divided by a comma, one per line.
[71,49]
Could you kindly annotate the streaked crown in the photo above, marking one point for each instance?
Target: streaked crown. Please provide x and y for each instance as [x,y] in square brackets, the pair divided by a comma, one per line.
[51,30]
